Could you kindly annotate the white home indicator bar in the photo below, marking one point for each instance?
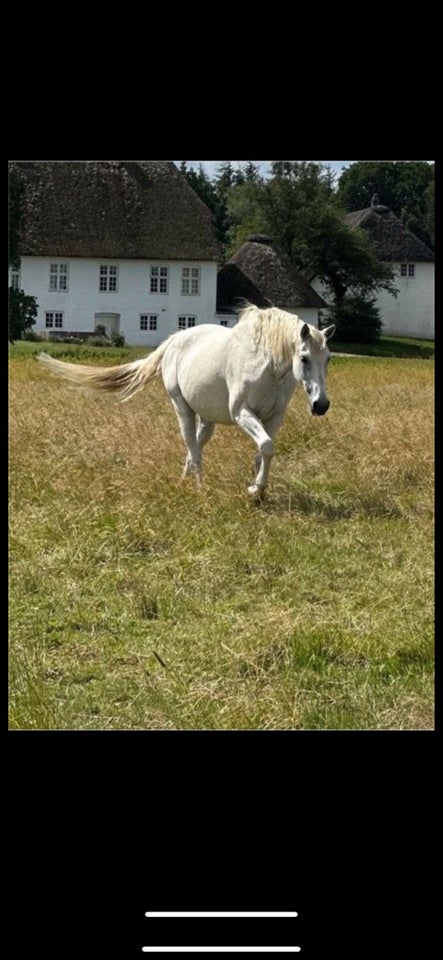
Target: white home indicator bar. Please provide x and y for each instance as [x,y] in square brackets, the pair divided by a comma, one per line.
[221,949]
[208,913]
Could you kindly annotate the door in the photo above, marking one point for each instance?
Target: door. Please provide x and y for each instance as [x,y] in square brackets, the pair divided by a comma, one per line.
[110,321]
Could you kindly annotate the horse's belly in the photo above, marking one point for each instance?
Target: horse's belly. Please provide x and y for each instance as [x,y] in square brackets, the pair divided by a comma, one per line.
[202,380]
[209,400]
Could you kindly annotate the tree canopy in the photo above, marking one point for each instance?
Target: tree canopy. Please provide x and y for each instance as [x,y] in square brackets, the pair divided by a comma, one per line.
[300,211]
[406,187]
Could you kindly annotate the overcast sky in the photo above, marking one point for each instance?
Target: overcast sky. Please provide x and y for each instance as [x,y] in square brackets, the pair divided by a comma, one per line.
[210,166]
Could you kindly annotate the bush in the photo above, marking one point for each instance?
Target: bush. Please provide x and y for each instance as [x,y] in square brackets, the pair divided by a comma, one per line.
[117,339]
[32,336]
[357,320]
[101,331]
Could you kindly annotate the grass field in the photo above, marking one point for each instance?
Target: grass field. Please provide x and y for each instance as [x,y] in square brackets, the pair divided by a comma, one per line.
[406,347]
[137,603]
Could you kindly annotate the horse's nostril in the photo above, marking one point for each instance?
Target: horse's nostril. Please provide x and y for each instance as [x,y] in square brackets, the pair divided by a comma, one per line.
[319,407]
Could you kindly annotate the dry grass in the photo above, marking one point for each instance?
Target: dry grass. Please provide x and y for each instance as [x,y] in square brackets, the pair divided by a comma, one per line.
[136,603]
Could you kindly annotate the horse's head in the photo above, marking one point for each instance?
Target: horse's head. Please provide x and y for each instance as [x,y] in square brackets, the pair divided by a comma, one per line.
[310,365]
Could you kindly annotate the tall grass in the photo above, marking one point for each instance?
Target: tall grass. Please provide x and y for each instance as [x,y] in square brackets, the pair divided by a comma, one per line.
[137,603]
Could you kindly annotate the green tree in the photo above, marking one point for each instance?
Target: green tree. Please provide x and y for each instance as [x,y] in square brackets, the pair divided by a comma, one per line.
[299,210]
[429,215]
[22,313]
[23,308]
[251,172]
[400,185]
[356,318]
[304,218]
[244,214]
[205,189]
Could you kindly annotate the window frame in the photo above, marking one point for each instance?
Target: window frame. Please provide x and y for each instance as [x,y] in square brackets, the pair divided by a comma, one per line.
[190,320]
[58,271]
[407,271]
[190,276]
[151,320]
[56,321]
[104,274]
[15,278]
[158,277]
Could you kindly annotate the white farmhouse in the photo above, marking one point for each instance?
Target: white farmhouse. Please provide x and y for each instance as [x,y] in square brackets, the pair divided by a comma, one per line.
[411,313]
[123,244]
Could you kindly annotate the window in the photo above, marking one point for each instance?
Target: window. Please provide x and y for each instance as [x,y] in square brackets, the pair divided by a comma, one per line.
[15,279]
[184,322]
[407,269]
[159,280]
[223,323]
[191,280]
[148,321]
[108,279]
[58,276]
[53,319]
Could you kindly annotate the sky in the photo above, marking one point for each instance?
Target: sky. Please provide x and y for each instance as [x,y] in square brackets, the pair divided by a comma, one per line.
[210,166]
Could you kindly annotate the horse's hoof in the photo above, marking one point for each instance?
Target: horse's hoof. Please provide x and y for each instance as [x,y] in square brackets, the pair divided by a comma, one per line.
[255,492]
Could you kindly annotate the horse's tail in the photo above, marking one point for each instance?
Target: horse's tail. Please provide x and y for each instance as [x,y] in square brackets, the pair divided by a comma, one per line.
[125,380]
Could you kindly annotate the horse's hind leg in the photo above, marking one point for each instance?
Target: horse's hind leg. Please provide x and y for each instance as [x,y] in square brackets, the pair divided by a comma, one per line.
[205,429]
[186,419]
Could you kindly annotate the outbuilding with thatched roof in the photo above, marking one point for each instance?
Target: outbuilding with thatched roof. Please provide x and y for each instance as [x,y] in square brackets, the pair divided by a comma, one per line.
[411,313]
[261,274]
[127,245]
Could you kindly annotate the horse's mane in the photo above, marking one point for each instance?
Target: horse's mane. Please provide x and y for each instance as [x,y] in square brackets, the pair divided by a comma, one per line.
[278,331]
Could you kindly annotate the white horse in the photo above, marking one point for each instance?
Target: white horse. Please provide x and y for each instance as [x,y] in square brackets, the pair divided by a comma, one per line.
[244,375]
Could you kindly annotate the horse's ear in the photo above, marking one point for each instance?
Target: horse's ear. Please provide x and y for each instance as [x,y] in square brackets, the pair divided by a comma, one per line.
[304,331]
[329,332]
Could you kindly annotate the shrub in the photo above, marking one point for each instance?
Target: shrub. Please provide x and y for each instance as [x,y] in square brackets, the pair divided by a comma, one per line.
[32,336]
[357,319]
[101,331]
[117,339]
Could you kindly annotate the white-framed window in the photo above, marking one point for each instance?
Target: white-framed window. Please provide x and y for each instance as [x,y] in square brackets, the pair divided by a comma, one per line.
[148,321]
[184,322]
[407,269]
[58,276]
[159,280]
[190,281]
[223,323]
[53,319]
[15,278]
[108,278]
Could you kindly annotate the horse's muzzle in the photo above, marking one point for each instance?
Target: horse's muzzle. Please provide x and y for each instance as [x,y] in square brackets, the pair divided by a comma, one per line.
[319,407]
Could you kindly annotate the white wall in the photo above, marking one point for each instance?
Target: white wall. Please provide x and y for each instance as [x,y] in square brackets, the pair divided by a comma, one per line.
[307,314]
[83,299]
[411,314]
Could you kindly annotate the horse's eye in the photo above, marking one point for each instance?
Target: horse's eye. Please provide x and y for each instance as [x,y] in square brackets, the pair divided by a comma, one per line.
[304,360]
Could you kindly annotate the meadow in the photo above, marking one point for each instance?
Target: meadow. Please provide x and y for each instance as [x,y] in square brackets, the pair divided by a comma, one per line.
[138,603]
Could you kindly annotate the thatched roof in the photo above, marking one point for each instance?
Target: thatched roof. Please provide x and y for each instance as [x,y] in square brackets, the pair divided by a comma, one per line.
[392,241]
[263,275]
[138,209]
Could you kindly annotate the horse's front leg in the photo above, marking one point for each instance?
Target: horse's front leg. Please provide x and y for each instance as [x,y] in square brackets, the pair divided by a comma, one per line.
[262,464]
[254,428]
